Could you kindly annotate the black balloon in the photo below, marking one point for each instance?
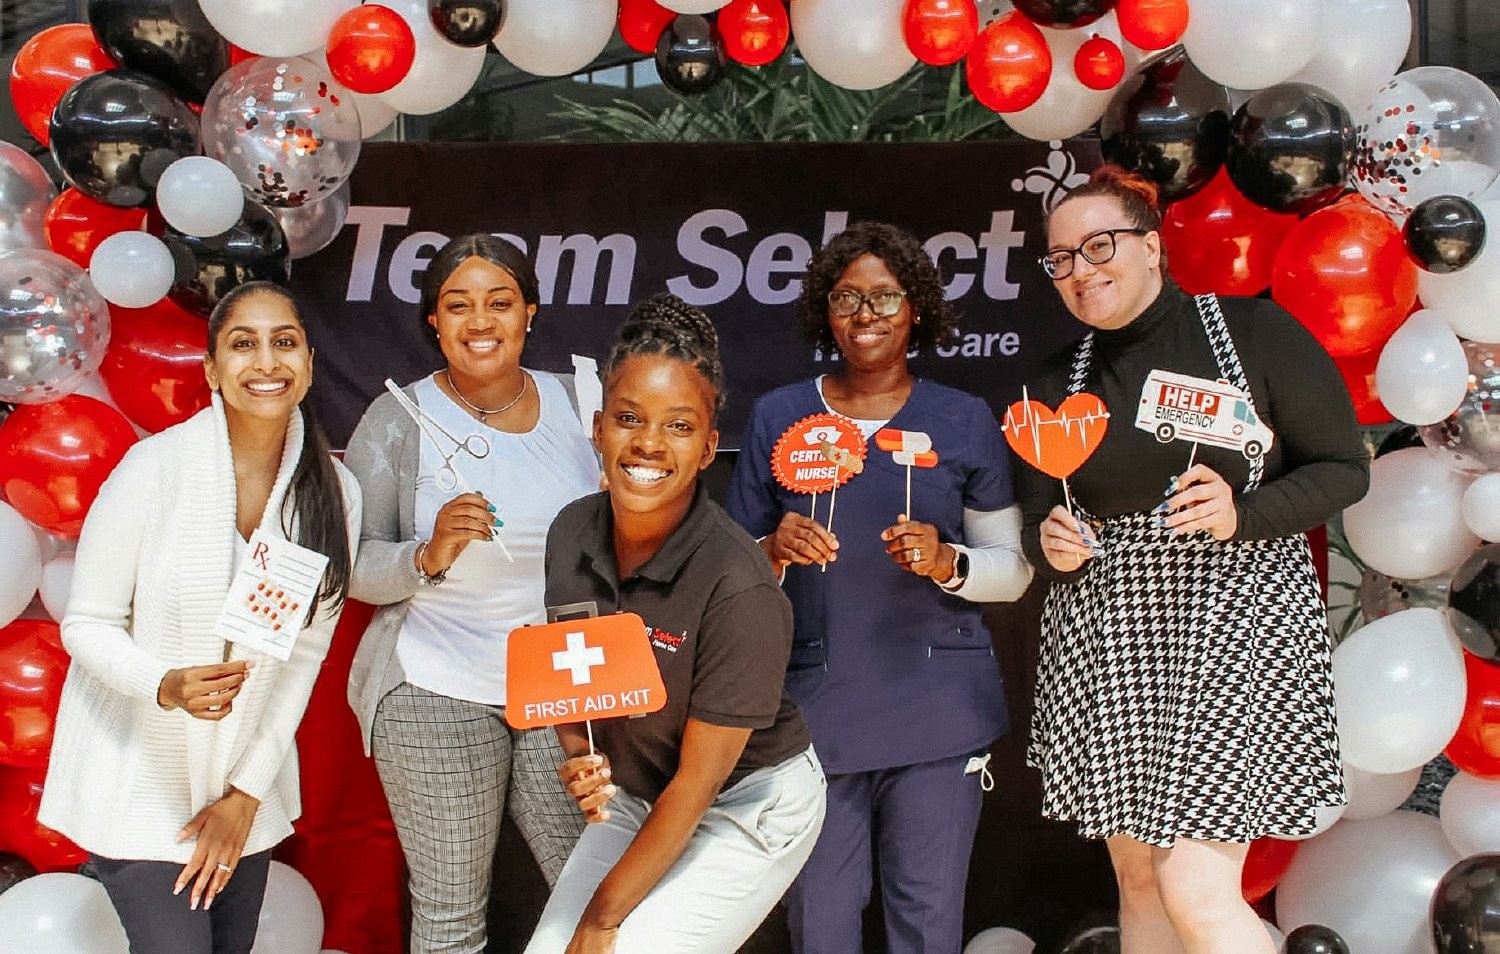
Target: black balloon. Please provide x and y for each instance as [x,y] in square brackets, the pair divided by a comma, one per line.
[255,249]
[1465,909]
[1401,438]
[168,39]
[467,22]
[690,55]
[1315,939]
[1444,233]
[1063,14]
[1170,123]
[1290,147]
[1474,604]
[115,133]
[13,869]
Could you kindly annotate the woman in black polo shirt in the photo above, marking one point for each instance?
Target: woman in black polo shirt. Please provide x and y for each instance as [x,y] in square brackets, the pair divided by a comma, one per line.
[714,802]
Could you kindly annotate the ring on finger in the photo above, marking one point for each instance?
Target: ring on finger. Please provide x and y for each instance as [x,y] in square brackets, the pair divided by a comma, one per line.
[224,868]
[916,554]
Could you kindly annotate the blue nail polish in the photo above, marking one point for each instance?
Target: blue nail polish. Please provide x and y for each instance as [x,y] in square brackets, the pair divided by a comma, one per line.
[1160,508]
[492,507]
[1158,522]
[1098,551]
[499,522]
[1171,487]
[1089,541]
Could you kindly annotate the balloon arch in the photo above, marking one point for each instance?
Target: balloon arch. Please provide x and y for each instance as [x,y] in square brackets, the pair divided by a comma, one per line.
[216,147]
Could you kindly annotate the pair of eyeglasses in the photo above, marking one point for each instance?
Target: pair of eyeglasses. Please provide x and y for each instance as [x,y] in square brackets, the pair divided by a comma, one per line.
[883,302]
[1096,250]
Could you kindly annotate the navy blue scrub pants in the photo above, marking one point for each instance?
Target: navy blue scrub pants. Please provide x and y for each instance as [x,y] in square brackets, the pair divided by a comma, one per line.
[922,820]
[157,922]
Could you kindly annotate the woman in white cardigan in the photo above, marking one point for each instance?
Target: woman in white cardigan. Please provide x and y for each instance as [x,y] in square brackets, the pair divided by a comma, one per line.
[173,761]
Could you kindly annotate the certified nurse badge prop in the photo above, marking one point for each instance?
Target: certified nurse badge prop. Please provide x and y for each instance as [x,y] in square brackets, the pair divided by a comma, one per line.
[1181,407]
[818,453]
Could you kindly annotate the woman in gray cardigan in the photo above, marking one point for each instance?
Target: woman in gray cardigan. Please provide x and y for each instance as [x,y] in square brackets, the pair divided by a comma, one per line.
[455,523]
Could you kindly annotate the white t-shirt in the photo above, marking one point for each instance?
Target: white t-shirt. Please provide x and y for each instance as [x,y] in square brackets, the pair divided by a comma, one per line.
[453,639]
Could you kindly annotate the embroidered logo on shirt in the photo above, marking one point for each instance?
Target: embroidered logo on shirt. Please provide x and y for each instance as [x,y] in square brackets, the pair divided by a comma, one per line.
[661,639]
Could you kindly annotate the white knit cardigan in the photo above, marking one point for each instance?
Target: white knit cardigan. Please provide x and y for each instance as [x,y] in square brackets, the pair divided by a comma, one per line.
[152,571]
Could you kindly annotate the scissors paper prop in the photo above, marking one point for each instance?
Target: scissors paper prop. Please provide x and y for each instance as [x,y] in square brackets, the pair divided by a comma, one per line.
[448,476]
[1056,442]
[910,449]
[818,453]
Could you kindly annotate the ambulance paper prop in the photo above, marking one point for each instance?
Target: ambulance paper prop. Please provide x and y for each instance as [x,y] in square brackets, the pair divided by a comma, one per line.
[1180,407]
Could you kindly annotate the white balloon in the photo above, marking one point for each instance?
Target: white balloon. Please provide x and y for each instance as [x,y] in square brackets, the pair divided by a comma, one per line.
[558,37]
[1327,816]
[198,195]
[1277,938]
[1423,372]
[59,913]
[856,44]
[1364,44]
[1371,795]
[1466,298]
[1252,44]
[442,72]
[1399,687]
[1470,814]
[291,917]
[690,6]
[1067,107]
[275,27]
[1410,524]
[1370,881]
[21,556]
[132,269]
[375,114]
[1481,506]
[1000,940]
[56,584]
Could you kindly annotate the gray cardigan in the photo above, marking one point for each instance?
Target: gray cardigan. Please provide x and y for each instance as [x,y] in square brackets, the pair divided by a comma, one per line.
[384,454]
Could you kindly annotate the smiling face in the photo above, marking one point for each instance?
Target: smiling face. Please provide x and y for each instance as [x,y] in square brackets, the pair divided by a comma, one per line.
[260,361]
[867,341]
[1114,294]
[655,435]
[481,320]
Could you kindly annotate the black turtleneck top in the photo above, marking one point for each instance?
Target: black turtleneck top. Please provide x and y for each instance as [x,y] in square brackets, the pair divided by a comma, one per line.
[1315,468]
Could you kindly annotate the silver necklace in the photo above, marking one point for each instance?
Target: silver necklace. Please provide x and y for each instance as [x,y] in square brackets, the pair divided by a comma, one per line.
[485,412]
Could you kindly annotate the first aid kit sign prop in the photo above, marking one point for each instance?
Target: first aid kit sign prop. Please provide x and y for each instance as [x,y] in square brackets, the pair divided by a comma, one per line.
[583,669]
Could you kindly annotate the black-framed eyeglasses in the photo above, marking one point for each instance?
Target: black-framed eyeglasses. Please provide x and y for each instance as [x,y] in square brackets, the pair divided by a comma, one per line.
[1096,250]
[883,302]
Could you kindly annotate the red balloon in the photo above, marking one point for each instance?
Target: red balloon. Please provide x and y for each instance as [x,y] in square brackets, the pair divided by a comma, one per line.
[44,68]
[54,458]
[754,31]
[1152,24]
[1099,64]
[940,32]
[1219,241]
[1265,863]
[1476,745]
[370,48]
[1344,273]
[641,23]
[1359,377]
[1010,64]
[32,670]
[154,364]
[75,224]
[20,832]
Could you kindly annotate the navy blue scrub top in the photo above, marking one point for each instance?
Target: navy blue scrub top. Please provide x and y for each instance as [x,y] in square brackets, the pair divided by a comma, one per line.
[888,669]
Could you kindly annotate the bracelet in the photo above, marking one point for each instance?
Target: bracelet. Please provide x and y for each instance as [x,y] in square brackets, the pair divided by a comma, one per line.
[422,574]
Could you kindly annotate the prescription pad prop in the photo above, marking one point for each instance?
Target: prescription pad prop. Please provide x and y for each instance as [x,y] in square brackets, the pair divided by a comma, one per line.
[448,476]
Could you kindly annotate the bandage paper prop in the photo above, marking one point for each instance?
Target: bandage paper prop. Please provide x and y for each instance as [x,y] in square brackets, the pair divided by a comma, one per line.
[270,595]
[1180,407]
[578,670]
[1056,442]
[816,454]
[908,449]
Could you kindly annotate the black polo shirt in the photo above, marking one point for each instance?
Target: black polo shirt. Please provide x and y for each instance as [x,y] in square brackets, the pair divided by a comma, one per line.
[720,627]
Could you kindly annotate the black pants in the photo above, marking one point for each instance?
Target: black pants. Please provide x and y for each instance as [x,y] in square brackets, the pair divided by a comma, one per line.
[156,922]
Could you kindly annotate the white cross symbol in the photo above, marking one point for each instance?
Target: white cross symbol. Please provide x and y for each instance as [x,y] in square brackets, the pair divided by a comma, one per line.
[578,657]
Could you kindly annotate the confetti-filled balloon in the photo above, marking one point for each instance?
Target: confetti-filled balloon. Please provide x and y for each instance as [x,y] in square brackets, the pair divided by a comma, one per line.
[1471,435]
[309,228]
[285,127]
[54,327]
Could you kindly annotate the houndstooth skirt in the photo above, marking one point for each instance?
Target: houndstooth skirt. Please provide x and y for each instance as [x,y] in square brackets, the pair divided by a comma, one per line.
[1185,690]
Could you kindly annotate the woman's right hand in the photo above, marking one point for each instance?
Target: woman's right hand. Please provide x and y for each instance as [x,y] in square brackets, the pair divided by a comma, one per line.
[461,521]
[1067,542]
[801,540]
[586,779]
[203,692]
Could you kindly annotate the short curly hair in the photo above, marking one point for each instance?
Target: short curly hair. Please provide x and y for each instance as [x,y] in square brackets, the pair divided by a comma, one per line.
[904,256]
[666,325]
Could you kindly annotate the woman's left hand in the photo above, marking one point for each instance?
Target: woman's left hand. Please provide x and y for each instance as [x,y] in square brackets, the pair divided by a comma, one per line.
[221,830]
[915,547]
[1203,501]
[593,940]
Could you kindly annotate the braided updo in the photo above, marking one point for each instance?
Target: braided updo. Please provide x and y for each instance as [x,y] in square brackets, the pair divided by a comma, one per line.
[668,326]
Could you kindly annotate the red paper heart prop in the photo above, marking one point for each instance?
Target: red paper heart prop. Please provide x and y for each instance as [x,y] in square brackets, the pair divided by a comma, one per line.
[1056,442]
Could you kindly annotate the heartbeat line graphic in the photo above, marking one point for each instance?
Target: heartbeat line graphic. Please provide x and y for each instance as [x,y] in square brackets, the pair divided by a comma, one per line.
[1033,423]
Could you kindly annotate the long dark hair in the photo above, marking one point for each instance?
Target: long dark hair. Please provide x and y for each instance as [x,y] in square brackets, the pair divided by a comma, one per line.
[666,325]
[314,505]
[497,251]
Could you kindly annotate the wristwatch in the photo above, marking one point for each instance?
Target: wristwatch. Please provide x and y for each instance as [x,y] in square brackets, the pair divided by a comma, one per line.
[960,571]
[428,579]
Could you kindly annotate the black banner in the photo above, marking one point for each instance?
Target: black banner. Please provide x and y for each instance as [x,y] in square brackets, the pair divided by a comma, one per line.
[727,227]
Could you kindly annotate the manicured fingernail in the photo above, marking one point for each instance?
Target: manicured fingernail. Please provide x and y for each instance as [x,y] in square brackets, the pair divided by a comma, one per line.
[610,789]
[1098,551]
[1161,507]
[499,522]
[492,507]
[1090,542]
[1171,487]
[1158,522]
[605,772]
[176,891]
[1078,527]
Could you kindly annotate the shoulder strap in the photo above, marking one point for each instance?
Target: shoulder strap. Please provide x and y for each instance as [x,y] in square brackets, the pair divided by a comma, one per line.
[1082,357]
[1228,359]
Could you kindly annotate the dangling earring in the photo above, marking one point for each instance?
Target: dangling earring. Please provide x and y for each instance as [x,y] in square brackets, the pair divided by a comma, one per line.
[917,320]
[528,329]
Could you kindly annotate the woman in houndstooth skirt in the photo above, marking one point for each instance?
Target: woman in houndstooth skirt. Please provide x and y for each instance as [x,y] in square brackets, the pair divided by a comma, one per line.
[1184,700]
